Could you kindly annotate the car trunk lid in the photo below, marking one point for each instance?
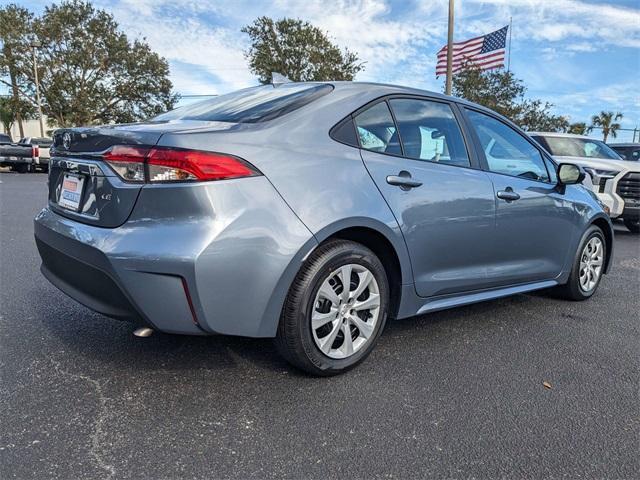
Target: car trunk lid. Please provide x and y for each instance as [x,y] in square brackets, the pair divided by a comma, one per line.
[81,184]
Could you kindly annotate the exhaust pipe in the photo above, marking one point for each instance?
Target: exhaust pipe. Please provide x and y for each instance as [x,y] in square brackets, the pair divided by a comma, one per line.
[143,332]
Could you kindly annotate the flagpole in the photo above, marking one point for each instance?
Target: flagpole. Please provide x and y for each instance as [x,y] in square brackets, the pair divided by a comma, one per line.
[449,50]
[509,57]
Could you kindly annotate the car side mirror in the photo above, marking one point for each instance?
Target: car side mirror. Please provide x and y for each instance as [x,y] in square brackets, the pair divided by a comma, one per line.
[570,174]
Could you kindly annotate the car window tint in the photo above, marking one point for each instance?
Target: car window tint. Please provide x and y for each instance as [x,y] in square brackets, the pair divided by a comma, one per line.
[429,131]
[345,132]
[251,105]
[507,151]
[377,131]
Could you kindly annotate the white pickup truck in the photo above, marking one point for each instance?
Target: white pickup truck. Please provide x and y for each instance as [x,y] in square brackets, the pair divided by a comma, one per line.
[615,181]
[40,161]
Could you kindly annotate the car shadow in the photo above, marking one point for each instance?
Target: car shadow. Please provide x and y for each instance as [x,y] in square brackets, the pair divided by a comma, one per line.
[106,341]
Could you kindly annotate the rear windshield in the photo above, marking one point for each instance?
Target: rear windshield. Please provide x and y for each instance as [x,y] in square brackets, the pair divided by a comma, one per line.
[251,105]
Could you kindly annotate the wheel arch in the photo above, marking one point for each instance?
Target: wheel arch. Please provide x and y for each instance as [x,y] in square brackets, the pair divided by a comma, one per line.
[604,224]
[387,244]
[384,250]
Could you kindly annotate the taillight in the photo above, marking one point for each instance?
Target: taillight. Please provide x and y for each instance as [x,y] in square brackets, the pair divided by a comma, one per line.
[35,151]
[160,164]
[127,162]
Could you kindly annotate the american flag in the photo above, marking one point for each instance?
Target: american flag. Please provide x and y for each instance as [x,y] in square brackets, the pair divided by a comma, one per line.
[484,52]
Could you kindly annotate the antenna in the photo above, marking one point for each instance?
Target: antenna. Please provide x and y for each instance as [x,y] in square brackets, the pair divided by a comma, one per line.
[278,78]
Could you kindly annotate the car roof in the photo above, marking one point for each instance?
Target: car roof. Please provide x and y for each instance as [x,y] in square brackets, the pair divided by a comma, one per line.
[376,90]
[390,89]
[627,144]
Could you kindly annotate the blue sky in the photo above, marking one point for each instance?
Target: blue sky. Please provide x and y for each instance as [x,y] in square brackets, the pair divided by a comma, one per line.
[581,55]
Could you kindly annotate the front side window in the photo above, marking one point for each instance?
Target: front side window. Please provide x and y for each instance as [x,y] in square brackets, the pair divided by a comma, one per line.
[507,151]
[429,131]
[376,130]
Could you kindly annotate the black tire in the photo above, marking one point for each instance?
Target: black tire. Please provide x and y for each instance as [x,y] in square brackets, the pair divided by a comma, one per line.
[21,168]
[632,224]
[294,339]
[572,290]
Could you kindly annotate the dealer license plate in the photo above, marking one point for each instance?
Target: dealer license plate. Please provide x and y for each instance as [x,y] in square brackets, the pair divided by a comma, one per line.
[71,192]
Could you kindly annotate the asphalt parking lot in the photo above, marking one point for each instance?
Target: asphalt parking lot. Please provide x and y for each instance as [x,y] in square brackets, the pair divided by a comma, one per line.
[455,394]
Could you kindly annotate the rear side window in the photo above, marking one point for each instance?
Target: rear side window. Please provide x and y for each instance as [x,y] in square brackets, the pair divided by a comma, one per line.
[251,105]
[376,130]
[429,131]
[507,151]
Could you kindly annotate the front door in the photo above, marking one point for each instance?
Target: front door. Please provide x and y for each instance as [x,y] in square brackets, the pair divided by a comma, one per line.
[445,208]
[532,217]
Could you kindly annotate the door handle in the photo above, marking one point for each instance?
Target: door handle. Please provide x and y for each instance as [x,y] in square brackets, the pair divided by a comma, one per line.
[509,195]
[403,180]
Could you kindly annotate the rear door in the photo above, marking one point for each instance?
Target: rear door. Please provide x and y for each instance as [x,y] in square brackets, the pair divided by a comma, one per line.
[534,222]
[444,206]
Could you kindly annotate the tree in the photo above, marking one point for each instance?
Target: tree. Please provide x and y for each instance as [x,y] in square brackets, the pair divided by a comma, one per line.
[502,92]
[9,113]
[297,50]
[90,72]
[15,25]
[607,122]
[579,128]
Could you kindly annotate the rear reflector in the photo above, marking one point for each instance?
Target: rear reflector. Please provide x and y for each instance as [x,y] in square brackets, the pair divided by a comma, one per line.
[160,164]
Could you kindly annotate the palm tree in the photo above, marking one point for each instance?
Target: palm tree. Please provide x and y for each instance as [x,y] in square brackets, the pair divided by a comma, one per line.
[605,121]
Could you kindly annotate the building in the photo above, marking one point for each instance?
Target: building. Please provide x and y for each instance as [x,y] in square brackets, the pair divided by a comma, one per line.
[31,128]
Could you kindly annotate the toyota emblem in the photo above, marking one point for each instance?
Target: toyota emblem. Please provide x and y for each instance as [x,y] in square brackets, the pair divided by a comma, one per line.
[66,140]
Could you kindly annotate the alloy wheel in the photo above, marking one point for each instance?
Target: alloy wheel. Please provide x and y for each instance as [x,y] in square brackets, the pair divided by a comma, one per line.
[591,261]
[346,311]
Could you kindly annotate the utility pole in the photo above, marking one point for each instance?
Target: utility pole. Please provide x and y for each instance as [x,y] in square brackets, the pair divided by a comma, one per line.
[509,57]
[35,76]
[449,50]
[14,88]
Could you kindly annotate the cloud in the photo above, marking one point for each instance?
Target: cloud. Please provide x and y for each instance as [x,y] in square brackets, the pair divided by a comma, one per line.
[557,20]
[558,45]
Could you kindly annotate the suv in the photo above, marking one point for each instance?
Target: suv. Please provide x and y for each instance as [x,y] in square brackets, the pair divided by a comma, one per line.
[615,181]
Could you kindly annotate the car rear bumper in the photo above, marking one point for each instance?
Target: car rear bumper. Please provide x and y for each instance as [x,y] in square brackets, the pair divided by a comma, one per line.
[88,284]
[200,259]
[93,278]
[15,160]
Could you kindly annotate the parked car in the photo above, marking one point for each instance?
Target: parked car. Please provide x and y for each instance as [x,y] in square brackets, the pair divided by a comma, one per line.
[20,158]
[312,213]
[628,151]
[615,181]
[40,161]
